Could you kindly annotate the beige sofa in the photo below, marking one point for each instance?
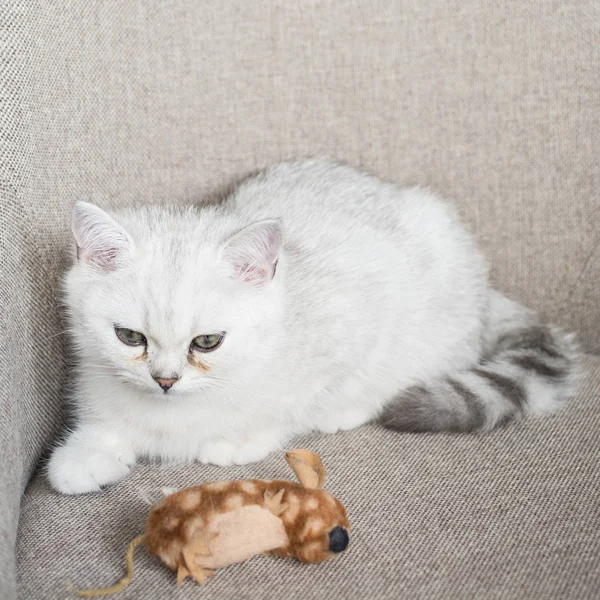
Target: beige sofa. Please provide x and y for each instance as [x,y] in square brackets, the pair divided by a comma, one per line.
[495,104]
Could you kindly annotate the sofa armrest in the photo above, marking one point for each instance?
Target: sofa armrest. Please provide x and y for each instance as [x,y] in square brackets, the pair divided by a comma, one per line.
[31,368]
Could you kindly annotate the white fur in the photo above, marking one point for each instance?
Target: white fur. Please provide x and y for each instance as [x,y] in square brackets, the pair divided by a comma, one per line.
[376,288]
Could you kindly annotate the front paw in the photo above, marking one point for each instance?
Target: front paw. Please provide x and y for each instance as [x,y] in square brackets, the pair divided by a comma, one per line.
[257,447]
[76,470]
[224,453]
[217,452]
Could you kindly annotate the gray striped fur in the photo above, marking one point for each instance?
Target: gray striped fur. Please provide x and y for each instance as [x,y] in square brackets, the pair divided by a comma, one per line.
[528,370]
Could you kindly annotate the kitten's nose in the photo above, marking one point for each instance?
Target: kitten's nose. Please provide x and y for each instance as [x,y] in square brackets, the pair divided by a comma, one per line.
[165,384]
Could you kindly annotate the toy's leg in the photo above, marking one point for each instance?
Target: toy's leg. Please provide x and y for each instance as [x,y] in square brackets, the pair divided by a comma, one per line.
[200,543]
[197,547]
[191,569]
[182,573]
[273,502]
[199,574]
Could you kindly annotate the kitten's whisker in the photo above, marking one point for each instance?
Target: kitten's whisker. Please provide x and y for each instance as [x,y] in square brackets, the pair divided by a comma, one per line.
[50,337]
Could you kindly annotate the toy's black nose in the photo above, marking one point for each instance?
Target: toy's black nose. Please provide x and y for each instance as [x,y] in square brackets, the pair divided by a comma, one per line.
[338,539]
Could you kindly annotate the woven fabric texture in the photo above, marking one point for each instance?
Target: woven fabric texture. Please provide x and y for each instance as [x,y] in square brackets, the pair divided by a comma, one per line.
[512,515]
[495,105]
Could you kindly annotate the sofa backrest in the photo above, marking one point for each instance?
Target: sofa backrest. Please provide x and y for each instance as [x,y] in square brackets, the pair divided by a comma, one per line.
[495,105]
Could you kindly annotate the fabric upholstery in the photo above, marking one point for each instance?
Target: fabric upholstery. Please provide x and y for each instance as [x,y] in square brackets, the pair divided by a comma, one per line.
[493,104]
[513,515]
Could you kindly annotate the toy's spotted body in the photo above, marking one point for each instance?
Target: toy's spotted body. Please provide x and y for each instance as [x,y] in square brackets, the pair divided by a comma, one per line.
[217,524]
[220,523]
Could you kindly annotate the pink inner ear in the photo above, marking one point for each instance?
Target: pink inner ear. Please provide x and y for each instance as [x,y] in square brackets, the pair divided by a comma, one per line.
[101,241]
[254,251]
[251,273]
[106,259]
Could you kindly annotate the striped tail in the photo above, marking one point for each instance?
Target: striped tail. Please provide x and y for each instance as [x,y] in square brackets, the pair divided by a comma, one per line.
[529,370]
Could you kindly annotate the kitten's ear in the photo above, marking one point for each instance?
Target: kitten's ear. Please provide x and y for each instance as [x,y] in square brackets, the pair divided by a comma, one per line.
[253,252]
[101,241]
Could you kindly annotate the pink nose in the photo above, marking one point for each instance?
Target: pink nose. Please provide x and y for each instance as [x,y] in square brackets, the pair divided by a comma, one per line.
[165,384]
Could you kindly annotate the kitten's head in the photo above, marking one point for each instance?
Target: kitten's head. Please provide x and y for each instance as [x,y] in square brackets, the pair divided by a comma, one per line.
[174,301]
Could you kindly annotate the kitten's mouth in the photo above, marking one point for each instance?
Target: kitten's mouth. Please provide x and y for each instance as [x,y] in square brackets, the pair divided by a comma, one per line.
[165,393]
[171,394]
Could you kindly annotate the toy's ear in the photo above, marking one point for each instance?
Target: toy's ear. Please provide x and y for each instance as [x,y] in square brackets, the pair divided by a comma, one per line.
[308,467]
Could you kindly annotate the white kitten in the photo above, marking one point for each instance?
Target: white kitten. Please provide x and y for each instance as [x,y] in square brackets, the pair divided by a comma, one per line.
[314,297]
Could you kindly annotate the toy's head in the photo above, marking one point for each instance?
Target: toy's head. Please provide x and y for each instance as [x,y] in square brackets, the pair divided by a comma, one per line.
[315,521]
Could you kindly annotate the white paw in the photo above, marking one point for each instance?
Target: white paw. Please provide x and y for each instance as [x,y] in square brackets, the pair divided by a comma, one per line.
[224,453]
[218,452]
[256,448]
[348,419]
[329,425]
[76,470]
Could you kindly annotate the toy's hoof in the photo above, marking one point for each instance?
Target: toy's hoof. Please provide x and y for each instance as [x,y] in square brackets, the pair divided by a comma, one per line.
[197,573]
[200,575]
[338,539]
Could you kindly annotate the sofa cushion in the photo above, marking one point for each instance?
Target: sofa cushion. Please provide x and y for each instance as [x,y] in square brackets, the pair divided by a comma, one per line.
[511,514]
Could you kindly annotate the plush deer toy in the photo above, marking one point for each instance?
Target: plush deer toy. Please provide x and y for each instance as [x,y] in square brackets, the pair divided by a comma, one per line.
[210,526]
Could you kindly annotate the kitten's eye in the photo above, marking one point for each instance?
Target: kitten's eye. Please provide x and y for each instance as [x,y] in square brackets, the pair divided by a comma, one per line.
[130,337]
[207,343]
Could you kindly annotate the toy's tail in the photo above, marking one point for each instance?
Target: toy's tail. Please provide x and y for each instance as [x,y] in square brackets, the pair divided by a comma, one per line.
[124,582]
